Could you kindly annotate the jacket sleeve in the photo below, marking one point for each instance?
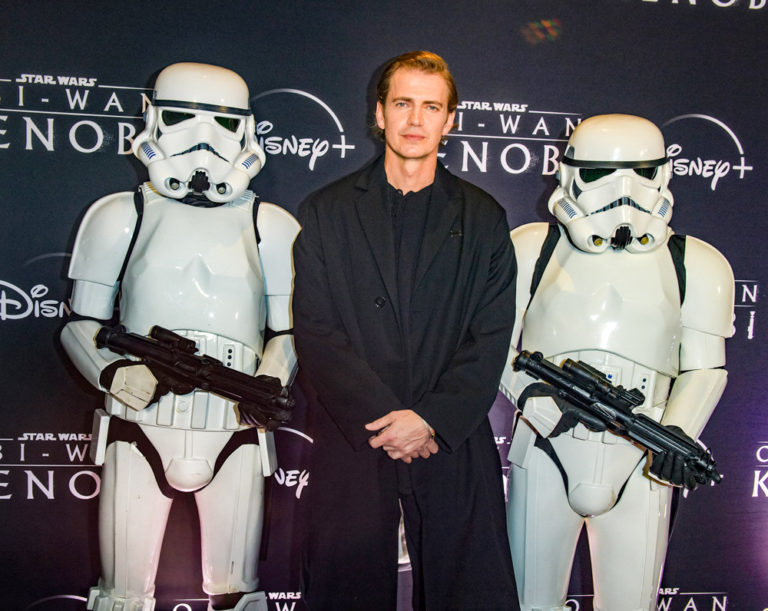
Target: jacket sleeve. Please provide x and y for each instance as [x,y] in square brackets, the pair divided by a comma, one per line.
[350,391]
[466,390]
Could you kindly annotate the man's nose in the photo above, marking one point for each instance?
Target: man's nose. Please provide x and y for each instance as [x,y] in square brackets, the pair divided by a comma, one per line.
[415,116]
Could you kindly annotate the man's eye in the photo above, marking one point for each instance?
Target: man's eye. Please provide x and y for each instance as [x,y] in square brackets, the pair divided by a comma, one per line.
[229,123]
[172,117]
[593,174]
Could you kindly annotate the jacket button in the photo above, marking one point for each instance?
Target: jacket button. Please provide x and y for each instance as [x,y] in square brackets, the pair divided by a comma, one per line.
[380,302]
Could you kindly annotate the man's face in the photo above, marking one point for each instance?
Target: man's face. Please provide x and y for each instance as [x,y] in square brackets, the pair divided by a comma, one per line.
[415,114]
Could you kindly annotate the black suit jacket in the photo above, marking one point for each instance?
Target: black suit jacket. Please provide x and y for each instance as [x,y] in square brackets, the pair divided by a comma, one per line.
[347,331]
[353,354]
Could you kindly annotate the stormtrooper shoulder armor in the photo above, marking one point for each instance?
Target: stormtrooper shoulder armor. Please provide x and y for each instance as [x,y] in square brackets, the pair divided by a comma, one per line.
[278,229]
[103,239]
[709,290]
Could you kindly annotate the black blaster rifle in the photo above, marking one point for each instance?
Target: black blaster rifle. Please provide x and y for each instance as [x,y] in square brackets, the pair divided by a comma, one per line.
[601,405]
[262,401]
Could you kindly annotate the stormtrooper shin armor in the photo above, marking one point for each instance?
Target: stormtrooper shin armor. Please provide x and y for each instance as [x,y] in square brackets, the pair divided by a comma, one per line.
[620,293]
[195,267]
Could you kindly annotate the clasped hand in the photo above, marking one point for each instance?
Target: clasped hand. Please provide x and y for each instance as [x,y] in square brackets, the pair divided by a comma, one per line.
[403,435]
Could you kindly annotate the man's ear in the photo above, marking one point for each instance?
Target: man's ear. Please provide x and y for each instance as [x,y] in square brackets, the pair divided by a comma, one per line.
[449,123]
[379,115]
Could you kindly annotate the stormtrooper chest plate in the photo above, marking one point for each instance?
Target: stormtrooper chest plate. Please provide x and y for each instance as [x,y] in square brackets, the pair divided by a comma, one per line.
[196,269]
[615,301]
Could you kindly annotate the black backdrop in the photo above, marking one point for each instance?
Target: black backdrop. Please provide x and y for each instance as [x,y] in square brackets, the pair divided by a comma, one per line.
[72,80]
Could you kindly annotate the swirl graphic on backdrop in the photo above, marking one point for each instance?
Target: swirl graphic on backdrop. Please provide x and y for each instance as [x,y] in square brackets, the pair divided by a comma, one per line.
[310,138]
[708,154]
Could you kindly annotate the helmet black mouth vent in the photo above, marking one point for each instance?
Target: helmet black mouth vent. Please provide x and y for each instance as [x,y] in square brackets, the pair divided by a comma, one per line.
[621,238]
[199,182]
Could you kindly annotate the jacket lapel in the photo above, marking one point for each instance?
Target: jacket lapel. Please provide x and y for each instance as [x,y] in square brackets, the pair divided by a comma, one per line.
[442,221]
[377,227]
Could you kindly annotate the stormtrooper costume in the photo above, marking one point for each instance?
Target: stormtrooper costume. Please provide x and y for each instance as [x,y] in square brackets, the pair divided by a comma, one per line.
[611,285]
[195,252]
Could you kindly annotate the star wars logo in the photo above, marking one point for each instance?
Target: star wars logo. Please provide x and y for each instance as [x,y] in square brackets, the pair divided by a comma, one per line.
[47,112]
[284,601]
[42,466]
[509,136]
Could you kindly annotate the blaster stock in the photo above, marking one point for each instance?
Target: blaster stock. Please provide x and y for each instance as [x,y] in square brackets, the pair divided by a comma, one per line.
[597,400]
[261,401]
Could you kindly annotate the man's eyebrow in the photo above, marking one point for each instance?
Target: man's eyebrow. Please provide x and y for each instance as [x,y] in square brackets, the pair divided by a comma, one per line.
[404,98]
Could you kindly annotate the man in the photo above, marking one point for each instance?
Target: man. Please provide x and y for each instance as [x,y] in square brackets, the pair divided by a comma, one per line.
[403,305]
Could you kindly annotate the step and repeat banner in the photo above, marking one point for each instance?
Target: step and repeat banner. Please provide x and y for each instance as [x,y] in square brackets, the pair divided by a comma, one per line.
[75,78]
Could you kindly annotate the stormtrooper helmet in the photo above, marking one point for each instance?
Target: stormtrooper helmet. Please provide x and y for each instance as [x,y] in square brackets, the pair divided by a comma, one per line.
[200,135]
[613,185]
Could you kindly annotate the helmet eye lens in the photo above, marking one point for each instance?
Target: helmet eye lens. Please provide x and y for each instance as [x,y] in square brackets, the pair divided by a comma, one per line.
[172,117]
[230,123]
[648,173]
[593,174]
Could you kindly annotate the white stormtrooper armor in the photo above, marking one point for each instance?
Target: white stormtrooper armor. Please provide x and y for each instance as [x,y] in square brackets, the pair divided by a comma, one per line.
[199,121]
[215,268]
[613,287]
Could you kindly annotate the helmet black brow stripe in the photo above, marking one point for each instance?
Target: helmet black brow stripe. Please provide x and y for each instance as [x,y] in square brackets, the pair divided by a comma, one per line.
[227,110]
[583,163]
